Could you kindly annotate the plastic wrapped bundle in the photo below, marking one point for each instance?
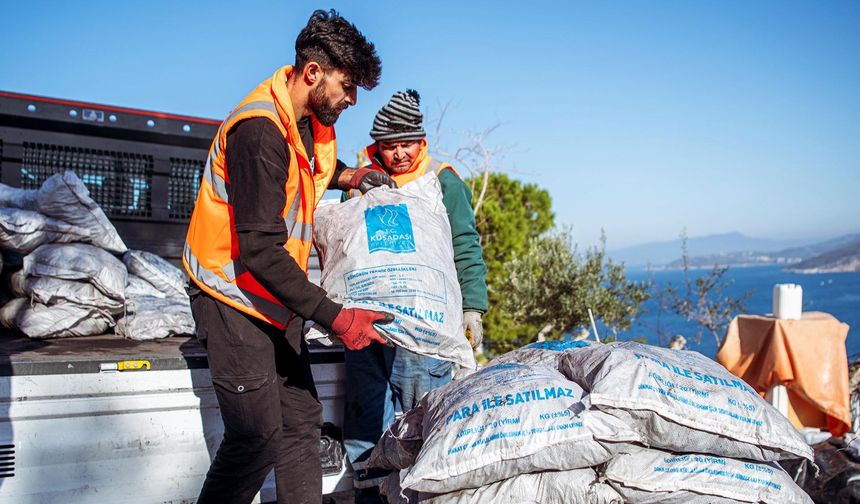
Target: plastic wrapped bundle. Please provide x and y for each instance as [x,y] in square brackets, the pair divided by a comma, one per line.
[138,287]
[682,401]
[551,487]
[13,197]
[540,353]
[164,276]
[150,318]
[644,476]
[391,251]
[508,420]
[400,443]
[79,262]
[23,231]
[51,291]
[64,197]
[39,321]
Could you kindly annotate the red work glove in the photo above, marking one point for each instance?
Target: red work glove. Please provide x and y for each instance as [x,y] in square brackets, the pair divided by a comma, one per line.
[366,179]
[355,327]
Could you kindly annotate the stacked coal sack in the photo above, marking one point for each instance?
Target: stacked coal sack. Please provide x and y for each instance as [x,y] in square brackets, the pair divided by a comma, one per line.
[711,437]
[72,281]
[561,422]
[157,305]
[511,432]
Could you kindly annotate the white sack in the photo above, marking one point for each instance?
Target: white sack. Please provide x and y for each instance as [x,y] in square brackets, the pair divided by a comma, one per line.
[391,251]
[18,284]
[578,486]
[14,197]
[23,230]
[507,420]
[164,276]
[58,321]
[643,475]
[51,291]
[539,353]
[10,310]
[138,287]
[682,401]
[79,261]
[151,318]
[63,196]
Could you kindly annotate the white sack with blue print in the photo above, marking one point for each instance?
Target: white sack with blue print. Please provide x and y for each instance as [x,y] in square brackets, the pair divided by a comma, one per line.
[682,401]
[391,251]
[508,420]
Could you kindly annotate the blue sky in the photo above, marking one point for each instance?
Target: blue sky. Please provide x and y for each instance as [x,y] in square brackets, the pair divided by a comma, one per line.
[640,118]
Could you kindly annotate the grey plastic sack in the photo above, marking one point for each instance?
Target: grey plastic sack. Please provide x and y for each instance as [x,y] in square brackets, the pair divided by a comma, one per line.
[164,276]
[400,443]
[38,321]
[540,353]
[18,284]
[394,493]
[579,486]
[507,420]
[82,262]
[643,475]
[14,197]
[138,287]
[10,311]
[23,230]
[63,196]
[51,291]
[391,251]
[682,401]
[149,318]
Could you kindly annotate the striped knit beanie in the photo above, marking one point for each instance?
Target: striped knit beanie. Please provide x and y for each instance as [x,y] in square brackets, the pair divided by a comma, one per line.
[400,118]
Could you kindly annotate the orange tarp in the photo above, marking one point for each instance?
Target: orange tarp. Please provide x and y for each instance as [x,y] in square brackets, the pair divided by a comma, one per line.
[807,356]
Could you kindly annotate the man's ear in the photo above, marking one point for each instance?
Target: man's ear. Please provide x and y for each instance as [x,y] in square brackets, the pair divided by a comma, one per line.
[313,73]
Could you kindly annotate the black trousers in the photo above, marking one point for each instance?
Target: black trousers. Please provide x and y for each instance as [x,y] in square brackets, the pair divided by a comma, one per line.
[272,417]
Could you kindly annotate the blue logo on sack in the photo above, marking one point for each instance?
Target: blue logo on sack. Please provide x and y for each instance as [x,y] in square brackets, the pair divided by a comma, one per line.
[389,228]
[558,346]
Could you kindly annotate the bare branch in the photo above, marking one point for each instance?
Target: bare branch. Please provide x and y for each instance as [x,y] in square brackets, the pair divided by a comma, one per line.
[485,181]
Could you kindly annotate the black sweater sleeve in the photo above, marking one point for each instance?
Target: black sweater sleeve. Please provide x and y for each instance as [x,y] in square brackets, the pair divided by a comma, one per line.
[257,166]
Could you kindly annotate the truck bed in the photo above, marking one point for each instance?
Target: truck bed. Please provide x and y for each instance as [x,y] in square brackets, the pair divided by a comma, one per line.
[72,426]
[24,356]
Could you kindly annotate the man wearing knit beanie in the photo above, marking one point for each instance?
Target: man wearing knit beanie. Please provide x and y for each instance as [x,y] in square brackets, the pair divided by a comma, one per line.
[379,376]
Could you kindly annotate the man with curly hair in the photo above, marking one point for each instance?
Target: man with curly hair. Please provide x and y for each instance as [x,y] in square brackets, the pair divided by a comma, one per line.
[247,252]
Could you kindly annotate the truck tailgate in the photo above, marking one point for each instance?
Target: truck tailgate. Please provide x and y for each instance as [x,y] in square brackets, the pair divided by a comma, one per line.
[73,429]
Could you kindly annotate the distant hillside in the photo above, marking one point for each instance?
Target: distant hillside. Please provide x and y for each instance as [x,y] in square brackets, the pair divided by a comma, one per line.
[794,256]
[840,260]
[809,251]
[663,253]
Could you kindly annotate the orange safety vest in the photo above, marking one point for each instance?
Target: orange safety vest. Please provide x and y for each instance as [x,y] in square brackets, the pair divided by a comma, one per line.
[422,163]
[211,255]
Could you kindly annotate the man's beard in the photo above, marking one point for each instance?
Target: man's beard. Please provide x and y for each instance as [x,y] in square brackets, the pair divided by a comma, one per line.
[324,111]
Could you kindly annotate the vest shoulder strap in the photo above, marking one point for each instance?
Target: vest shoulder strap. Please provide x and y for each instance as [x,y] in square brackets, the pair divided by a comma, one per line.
[435,166]
[438,167]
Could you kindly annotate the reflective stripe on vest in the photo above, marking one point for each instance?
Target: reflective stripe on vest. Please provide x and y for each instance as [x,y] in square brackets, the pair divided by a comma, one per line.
[256,105]
[295,229]
[434,166]
[248,299]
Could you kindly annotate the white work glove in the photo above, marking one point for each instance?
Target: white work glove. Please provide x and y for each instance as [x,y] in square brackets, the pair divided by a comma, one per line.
[473,327]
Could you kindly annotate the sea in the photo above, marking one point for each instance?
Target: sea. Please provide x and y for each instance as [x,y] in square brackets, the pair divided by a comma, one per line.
[835,293]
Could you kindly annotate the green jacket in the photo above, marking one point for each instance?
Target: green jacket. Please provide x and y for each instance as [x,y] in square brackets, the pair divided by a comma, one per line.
[468,255]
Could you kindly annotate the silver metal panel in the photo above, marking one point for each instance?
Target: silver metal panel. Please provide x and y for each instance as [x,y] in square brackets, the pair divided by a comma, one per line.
[135,437]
